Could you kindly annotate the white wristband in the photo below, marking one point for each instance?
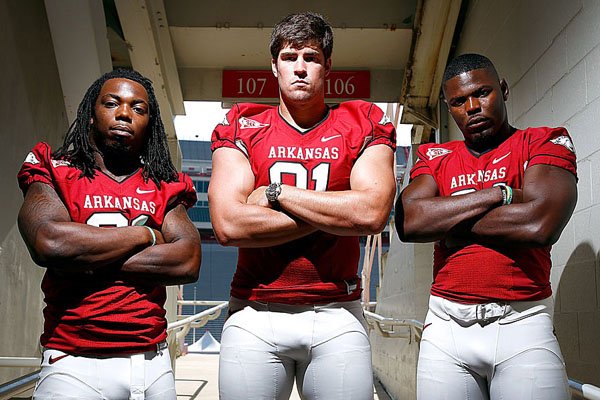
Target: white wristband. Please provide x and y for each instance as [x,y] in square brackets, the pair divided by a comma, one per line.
[153,235]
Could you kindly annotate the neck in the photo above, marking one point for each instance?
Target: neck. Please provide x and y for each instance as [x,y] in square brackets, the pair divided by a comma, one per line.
[117,167]
[492,142]
[303,116]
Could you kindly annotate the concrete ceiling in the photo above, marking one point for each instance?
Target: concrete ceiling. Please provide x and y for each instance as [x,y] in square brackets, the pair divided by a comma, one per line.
[184,45]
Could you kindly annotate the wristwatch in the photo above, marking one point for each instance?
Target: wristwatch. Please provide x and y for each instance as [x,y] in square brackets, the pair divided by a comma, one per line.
[273,191]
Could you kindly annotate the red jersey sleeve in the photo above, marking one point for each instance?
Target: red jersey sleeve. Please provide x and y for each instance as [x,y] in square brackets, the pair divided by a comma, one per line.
[36,167]
[383,129]
[421,166]
[225,133]
[185,193]
[552,146]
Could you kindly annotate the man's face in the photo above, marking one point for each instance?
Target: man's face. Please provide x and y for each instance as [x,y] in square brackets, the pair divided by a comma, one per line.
[301,73]
[122,114]
[476,101]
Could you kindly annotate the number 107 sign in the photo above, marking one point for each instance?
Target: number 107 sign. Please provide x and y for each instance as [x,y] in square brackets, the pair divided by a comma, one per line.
[262,84]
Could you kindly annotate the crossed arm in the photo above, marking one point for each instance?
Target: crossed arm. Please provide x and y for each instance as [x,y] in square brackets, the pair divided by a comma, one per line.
[540,211]
[242,217]
[57,243]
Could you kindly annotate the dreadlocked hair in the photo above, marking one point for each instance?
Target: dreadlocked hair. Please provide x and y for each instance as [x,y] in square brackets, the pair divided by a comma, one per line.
[78,150]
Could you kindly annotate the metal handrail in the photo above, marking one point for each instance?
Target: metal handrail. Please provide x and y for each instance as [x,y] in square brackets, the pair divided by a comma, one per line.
[19,385]
[197,320]
[584,390]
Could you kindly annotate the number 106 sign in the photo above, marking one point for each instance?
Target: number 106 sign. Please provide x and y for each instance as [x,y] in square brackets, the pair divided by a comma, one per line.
[262,84]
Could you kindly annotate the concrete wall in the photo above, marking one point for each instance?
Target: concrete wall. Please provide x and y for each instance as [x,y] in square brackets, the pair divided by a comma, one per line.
[31,109]
[549,51]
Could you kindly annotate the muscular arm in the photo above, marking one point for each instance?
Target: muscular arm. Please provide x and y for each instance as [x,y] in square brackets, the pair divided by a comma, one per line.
[237,222]
[548,195]
[422,216]
[54,241]
[176,261]
[549,198]
[362,210]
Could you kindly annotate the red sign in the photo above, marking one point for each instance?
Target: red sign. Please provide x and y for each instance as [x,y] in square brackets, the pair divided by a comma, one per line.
[263,85]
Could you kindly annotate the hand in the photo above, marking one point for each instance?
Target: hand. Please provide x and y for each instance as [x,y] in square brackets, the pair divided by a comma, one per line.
[258,198]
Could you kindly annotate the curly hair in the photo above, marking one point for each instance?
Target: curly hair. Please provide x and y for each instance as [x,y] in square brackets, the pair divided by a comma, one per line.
[301,29]
[78,150]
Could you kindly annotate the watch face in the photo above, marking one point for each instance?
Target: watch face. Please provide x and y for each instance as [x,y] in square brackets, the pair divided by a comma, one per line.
[272,191]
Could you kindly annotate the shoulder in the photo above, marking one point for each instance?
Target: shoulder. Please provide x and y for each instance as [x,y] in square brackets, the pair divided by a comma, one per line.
[258,112]
[357,108]
[556,136]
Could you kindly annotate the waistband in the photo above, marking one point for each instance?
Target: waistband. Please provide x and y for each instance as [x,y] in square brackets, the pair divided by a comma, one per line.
[236,304]
[484,313]
[152,348]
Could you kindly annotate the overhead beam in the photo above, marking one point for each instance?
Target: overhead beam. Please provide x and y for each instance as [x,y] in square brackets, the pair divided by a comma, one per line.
[434,31]
[149,58]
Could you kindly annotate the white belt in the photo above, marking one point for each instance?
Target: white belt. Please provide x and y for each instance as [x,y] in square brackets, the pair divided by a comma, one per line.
[484,313]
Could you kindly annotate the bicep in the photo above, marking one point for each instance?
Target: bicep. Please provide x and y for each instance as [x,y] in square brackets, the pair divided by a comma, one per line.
[41,205]
[551,191]
[374,170]
[231,180]
[177,225]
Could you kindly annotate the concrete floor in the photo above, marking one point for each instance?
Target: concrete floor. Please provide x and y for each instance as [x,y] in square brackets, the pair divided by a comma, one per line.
[196,378]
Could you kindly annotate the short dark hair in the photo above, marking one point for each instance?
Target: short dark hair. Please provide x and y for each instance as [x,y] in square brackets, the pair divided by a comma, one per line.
[78,150]
[300,30]
[465,63]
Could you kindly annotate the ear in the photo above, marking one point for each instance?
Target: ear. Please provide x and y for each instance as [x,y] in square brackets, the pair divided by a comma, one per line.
[274,66]
[504,88]
[328,66]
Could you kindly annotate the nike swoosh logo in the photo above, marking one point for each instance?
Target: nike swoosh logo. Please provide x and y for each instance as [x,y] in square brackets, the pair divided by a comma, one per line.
[140,191]
[426,325]
[52,360]
[327,139]
[497,160]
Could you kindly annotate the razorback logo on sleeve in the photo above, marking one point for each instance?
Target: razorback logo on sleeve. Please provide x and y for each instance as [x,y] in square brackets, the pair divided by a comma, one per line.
[31,159]
[564,141]
[435,152]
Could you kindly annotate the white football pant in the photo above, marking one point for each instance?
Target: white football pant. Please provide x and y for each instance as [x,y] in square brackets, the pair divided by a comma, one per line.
[493,351]
[324,348]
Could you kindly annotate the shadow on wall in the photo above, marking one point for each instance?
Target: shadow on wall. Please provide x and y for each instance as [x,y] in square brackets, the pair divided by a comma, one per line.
[577,314]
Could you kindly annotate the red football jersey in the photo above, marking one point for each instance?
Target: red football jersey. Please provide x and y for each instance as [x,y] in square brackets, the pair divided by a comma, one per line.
[477,273]
[320,267]
[99,314]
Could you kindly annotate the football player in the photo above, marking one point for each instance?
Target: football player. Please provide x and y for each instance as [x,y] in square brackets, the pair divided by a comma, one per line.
[494,204]
[293,186]
[105,214]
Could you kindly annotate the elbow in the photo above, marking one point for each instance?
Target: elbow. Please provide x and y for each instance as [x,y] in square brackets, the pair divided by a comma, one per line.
[543,237]
[191,270]
[372,223]
[224,238]
[49,249]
